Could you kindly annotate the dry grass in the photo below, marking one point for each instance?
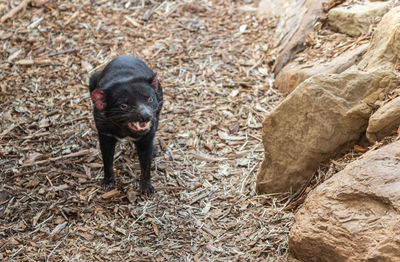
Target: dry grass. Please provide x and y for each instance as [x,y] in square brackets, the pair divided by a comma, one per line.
[210,60]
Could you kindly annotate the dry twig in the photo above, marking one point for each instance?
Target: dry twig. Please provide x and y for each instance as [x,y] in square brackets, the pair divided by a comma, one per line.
[14,11]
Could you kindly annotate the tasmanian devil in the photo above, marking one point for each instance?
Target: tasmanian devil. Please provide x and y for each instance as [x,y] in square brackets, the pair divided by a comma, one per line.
[127,98]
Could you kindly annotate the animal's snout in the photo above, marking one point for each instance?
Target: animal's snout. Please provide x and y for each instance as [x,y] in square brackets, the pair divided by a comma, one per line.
[145,113]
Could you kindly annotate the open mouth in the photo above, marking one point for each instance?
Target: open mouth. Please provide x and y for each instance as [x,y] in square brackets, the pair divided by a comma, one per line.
[139,126]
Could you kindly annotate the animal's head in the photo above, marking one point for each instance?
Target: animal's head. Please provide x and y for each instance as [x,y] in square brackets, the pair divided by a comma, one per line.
[126,101]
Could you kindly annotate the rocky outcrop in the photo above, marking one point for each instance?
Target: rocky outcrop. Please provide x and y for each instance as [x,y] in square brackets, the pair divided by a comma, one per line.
[385,121]
[355,215]
[356,20]
[296,20]
[384,50]
[294,73]
[321,118]
[327,113]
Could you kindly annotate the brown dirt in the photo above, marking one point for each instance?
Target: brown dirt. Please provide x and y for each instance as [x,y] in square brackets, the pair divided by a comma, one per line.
[213,71]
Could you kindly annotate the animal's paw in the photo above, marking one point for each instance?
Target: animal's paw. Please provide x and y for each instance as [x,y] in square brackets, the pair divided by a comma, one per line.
[147,190]
[108,183]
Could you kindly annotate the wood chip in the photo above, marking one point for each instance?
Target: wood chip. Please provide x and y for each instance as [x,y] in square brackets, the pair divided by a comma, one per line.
[14,11]
[58,229]
[204,157]
[110,194]
[155,228]
[225,136]
[61,187]
[360,149]
[30,62]
[36,218]
[200,197]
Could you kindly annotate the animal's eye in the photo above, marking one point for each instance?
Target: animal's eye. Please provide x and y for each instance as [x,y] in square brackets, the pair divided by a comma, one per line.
[123,106]
[150,99]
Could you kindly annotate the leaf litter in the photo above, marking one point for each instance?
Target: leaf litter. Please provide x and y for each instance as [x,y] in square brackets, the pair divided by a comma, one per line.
[209,57]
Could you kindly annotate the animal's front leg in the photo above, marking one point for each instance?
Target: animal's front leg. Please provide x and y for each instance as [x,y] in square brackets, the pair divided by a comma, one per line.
[145,151]
[107,147]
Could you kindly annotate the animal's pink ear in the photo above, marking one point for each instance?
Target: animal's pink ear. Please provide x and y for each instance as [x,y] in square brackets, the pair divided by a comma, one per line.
[98,97]
[155,82]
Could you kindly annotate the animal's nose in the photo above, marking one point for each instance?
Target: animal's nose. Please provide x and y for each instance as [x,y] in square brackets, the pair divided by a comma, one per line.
[144,114]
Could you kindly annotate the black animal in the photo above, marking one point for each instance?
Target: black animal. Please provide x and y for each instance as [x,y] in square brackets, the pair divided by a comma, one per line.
[127,99]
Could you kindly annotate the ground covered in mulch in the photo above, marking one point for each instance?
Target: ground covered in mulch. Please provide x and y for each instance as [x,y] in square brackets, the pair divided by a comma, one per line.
[210,58]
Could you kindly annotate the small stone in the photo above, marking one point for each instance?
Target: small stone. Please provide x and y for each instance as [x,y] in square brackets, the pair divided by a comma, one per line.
[385,121]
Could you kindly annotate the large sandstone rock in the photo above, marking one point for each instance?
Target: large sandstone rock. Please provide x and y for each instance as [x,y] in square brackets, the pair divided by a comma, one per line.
[327,114]
[355,215]
[385,121]
[384,50]
[321,118]
[356,20]
[294,73]
[296,20]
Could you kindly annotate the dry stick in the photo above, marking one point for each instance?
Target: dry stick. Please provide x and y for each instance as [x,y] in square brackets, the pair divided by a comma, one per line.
[100,66]
[31,172]
[226,213]
[61,242]
[170,188]
[225,87]
[172,10]
[35,135]
[255,137]
[8,130]
[80,153]
[209,231]
[199,197]
[132,21]
[74,15]
[140,217]
[4,202]
[245,179]
[51,253]
[303,188]
[295,203]
[15,10]
[205,157]
[296,198]
[254,66]
[72,120]
[30,62]
[64,52]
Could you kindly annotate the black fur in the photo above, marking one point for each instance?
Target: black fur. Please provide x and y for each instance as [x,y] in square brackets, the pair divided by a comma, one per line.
[126,92]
